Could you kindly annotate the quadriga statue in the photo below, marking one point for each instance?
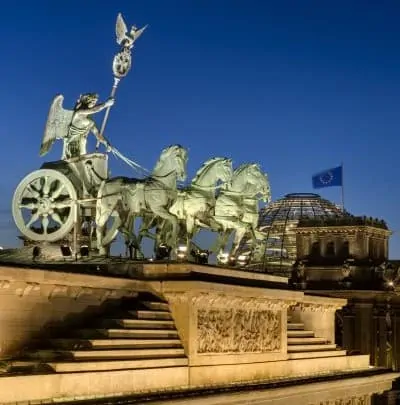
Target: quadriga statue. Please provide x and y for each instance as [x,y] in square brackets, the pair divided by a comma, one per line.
[193,206]
[231,206]
[236,207]
[123,199]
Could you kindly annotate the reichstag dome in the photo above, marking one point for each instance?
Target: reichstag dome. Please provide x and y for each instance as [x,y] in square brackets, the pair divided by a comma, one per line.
[278,222]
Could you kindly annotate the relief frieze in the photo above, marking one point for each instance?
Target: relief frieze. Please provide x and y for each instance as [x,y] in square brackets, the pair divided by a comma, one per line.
[236,330]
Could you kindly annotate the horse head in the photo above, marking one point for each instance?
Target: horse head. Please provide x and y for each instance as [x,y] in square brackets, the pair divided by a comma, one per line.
[226,170]
[213,170]
[251,182]
[258,184]
[172,159]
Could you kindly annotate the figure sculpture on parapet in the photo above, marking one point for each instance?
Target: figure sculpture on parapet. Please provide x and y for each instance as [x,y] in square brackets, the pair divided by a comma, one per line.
[73,126]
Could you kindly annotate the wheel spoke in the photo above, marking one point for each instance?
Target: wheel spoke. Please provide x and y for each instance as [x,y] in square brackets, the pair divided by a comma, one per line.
[56,218]
[45,224]
[29,206]
[33,191]
[46,185]
[33,219]
[57,192]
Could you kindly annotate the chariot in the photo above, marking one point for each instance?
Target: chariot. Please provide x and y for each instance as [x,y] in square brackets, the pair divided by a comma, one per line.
[49,202]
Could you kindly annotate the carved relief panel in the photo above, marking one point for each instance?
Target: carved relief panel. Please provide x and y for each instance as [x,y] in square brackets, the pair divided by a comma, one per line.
[238,330]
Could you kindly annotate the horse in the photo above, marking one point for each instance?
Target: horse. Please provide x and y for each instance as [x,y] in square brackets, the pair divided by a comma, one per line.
[194,204]
[125,199]
[236,207]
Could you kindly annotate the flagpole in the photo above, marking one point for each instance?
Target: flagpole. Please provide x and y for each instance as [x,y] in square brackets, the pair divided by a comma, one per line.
[342,188]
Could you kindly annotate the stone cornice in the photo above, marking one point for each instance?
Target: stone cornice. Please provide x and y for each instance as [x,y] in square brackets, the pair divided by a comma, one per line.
[52,291]
[309,307]
[343,229]
[224,301]
[26,275]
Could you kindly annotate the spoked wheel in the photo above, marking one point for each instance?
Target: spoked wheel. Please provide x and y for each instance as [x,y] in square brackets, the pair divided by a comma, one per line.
[112,229]
[44,205]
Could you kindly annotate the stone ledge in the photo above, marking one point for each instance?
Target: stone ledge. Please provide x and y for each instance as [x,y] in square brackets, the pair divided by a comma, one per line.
[196,287]
[73,386]
[327,392]
[12,274]
[89,385]
[257,371]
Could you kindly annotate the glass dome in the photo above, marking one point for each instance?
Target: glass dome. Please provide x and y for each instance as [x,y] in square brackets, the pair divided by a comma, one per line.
[278,222]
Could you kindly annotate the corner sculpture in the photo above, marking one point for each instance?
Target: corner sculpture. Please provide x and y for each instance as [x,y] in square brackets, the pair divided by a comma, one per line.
[57,202]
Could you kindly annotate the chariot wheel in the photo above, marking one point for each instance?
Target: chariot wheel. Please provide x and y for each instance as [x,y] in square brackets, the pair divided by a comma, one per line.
[44,205]
[112,230]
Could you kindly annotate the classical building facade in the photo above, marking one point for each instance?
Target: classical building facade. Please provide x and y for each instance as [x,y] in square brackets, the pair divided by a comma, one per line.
[328,252]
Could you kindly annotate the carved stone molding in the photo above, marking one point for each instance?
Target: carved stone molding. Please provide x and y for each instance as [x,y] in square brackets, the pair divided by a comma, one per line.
[27,288]
[58,291]
[361,400]
[5,284]
[311,307]
[51,291]
[235,330]
[223,301]
[108,294]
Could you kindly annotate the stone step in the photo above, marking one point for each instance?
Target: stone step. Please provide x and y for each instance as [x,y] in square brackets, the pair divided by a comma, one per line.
[114,343]
[314,355]
[157,306]
[138,323]
[82,366]
[306,340]
[27,367]
[54,355]
[295,326]
[128,333]
[300,333]
[311,348]
[148,314]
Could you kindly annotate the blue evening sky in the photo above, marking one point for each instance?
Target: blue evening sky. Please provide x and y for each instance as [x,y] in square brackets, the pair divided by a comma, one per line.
[298,86]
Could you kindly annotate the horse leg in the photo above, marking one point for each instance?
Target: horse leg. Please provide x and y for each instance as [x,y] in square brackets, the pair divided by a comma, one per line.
[239,235]
[147,223]
[171,219]
[221,241]
[224,241]
[100,223]
[190,227]
[130,236]
[253,239]
[126,230]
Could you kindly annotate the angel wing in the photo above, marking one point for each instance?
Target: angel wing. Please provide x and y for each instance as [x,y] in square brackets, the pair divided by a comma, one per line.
[120,29]
[138,33]
[57,125]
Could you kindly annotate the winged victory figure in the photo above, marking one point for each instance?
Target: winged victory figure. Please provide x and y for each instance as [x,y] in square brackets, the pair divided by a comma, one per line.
[73,126]
[124,38]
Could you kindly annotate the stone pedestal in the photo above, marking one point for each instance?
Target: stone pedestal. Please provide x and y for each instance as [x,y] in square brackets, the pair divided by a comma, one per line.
[229,325]
[234,333]
[233,330]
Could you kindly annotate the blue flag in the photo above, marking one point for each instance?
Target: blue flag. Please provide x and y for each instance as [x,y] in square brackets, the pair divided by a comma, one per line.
[328,178]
